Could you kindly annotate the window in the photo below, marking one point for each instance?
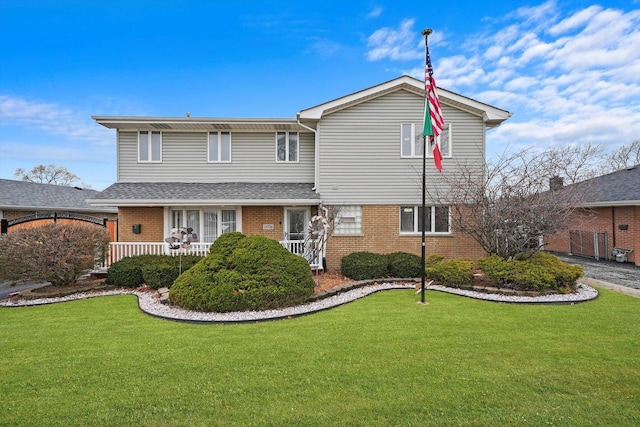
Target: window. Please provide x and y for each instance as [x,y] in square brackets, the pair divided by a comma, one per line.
[207,223]
[219,147]
[149,146]
[437,219]
[412,141]
[287,146]
[445,142]
[348,220]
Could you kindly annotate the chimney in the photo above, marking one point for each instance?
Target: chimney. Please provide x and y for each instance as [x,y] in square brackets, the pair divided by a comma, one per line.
[556,183]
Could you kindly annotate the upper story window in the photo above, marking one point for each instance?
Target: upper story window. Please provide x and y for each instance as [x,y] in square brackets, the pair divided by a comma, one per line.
[149,146]
[219,147]
[411,141]
[287,146]
[437,219]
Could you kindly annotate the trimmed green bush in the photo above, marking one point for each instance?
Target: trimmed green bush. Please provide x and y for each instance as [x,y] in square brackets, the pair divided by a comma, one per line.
[453,273]
[537,271]
[364,265]
[157,271]
[403,264]
[244,273]
[433,260]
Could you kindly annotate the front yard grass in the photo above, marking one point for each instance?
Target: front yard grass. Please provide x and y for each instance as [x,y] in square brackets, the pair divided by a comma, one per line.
[383,360]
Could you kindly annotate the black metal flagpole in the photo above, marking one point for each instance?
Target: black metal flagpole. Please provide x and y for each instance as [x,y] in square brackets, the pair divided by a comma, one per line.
[425,33]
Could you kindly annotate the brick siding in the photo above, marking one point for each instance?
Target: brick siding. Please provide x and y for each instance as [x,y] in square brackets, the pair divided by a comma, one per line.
[609,220]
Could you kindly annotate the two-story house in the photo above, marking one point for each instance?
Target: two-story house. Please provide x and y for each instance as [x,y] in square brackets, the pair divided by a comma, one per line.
[360,153]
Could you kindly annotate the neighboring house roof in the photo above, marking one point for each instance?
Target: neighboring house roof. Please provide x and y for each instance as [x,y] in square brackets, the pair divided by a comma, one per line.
[195,194]
[620,188]
[491,115]
[31,196]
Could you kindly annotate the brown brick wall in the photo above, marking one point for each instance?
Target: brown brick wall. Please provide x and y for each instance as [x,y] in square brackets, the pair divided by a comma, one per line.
[609,220]
[151,221]
[254,217]
[381,234]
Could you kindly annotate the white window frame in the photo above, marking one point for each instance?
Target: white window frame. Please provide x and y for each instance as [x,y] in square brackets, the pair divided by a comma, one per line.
[219,141]
[201,221]
[417,141]
[415,138]
[445,142]
[287,146]
[348,221]
[416,218]
[150,150]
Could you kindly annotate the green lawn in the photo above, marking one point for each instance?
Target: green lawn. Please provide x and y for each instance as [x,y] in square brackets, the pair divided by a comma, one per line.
[382,360]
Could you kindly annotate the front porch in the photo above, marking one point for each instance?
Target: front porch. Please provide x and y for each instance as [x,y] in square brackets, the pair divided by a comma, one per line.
[119,250]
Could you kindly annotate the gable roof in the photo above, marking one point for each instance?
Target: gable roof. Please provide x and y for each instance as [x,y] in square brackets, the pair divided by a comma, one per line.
[196,194]
[492,116]
[620,188]
[31,196]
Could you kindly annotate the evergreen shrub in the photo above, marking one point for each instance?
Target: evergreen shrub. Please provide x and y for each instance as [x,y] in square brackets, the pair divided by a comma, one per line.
[364,265]
[244,273]
[403,264]
[454,273]
[157,271]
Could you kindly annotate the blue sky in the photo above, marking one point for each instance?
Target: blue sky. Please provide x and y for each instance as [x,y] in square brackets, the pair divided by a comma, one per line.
[569,71]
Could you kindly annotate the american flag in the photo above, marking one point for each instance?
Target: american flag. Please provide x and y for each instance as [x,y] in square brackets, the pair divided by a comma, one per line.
[433,120]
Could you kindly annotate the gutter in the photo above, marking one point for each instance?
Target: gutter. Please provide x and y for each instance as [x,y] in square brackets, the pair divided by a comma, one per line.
[316,172]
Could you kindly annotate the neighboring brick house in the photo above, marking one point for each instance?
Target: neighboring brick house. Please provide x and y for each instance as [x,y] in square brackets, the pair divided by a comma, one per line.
[360,152]
[609,218]
[26,204]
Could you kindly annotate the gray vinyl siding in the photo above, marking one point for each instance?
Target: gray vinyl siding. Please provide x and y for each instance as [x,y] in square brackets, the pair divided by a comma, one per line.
[359,156]
[184,159]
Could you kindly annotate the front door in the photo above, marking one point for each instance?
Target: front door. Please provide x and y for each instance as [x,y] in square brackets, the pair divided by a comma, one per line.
[295,226]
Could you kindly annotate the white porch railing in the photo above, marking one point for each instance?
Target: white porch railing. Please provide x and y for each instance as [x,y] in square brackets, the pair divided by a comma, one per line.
[119,250]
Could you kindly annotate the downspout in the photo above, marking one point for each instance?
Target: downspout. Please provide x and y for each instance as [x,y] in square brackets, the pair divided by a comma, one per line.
[316,172]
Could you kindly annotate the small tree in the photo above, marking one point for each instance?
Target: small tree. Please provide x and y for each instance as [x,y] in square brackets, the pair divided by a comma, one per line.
[625,157]
[55,252]
[319,230]
[50,174]
[507,206]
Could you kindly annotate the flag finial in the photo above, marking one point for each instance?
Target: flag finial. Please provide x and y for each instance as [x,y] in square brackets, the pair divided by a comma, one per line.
[426,32]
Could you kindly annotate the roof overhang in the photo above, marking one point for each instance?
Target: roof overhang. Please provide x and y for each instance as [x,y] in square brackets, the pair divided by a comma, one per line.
[204,202]
[492,116]
[199,124]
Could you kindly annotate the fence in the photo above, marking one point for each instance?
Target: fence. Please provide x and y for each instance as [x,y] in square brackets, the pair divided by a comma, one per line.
[590,244]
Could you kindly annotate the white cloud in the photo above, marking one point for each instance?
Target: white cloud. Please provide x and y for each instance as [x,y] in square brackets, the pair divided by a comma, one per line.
[51,118]
[395,43]
[375,12]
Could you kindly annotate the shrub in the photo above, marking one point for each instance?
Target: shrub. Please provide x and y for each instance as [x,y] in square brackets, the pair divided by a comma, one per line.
[532,271]
[55,252]
[244,273]
[157,271]
[433,260]
[364,265]
[454,273]
[403,264]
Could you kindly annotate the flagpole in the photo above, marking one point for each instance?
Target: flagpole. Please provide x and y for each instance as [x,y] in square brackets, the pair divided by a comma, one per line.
[425,34]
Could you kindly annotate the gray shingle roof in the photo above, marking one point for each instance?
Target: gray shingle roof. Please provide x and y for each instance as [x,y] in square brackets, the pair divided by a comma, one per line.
[31,196]
[617,188]
[182,192]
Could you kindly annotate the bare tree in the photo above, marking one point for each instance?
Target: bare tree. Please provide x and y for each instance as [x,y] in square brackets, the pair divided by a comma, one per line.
[507,206]
[49,174]
[625,157]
